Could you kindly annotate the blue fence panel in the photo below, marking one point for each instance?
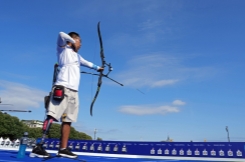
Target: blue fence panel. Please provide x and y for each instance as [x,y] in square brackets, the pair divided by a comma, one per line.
[180,149]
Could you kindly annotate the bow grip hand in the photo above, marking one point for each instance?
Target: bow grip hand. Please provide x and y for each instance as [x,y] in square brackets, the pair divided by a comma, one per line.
[100,69]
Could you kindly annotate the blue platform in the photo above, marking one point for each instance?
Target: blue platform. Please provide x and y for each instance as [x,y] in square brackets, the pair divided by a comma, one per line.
[10,156]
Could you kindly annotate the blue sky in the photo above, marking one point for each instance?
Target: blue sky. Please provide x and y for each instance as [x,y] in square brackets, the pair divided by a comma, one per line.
[187,57]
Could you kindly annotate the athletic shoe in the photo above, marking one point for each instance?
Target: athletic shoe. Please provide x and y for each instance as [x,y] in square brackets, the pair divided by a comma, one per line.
[39,151]
[66,153]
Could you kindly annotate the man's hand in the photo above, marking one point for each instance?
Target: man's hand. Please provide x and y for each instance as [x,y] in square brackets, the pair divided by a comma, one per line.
[100,69]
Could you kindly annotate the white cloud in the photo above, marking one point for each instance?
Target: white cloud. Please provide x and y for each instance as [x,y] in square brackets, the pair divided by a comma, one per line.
[150,24]
[161,83]
[148,110]
[22,97]
[178,103]
[158,69]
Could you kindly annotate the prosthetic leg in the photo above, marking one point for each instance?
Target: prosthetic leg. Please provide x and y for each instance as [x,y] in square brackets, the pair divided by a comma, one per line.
[46,126]
[49,120]
[38,150]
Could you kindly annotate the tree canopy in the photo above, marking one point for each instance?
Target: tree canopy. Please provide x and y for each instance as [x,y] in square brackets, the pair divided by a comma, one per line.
[13,128]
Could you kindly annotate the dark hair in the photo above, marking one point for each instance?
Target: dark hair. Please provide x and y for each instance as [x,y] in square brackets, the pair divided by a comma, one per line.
[73,34]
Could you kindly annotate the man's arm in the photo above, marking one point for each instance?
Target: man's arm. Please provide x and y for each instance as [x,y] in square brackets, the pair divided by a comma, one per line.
[88,64]
[63,38]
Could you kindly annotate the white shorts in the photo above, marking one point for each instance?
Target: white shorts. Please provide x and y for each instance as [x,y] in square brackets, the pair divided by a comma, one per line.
[65,110]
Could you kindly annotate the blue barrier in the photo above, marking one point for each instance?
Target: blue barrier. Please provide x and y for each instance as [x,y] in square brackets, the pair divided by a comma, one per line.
[176,149]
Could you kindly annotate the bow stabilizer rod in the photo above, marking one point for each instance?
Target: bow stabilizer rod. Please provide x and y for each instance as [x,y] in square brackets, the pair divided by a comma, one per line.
[17,110]
[106,76]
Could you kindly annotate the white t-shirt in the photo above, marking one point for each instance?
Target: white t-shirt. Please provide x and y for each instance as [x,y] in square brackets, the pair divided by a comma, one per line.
[69,63]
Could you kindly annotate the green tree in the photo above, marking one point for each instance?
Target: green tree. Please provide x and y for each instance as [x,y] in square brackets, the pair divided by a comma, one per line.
[79,135]
[84,136]
[54,131]
[34,132]
[13,128]
[10,126]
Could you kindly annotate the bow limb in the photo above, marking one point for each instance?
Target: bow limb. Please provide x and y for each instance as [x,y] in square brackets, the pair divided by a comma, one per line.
[96,94]
[101,73]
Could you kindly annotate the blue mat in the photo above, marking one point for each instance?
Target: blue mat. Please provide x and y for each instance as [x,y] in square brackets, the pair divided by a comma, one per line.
[10,156]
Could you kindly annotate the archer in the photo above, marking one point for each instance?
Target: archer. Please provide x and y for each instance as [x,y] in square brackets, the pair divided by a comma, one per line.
[64,101]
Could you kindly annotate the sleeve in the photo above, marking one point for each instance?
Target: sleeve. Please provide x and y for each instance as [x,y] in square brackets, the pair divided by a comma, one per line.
[88,64]
[63,38]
